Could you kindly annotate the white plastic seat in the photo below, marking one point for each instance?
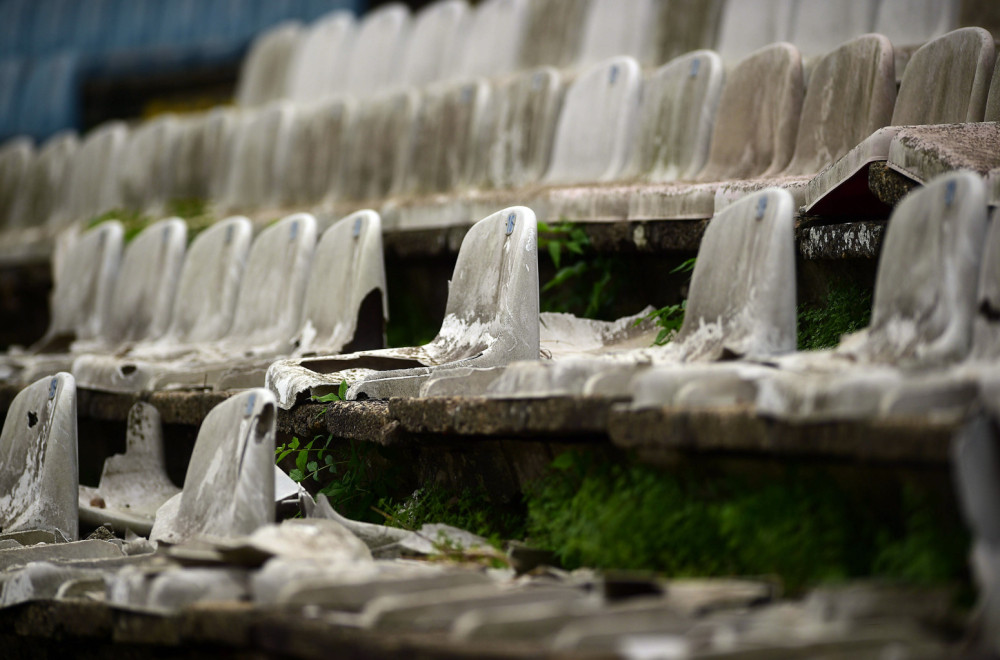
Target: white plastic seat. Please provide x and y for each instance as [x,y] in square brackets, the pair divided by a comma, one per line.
[38,460]
[93,183]
[319,65]
[265,71]
[311,174]
[229,485]
[492,42]
[749,25]
[16,157]
[257,157]
[819,26]
[378,49]
[946,81]
[491,319]
[145,163]
[434,42]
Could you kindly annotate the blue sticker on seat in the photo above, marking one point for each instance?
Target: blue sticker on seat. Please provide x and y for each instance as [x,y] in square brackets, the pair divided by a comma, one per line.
[510,223]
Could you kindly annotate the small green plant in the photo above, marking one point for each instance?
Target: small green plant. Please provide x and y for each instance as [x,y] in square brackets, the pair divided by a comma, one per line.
[586,282]
[470,509]
[847,309]
[132,221]
[670,318]
[333,396]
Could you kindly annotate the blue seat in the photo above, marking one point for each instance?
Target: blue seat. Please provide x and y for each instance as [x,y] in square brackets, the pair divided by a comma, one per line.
[15,19]
[50,96]
[53,26]
[11,70]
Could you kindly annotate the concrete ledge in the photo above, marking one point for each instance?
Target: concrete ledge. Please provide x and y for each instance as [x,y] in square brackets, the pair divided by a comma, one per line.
[659,432]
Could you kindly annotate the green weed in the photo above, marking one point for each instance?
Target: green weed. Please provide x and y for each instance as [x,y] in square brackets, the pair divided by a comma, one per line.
[847,309]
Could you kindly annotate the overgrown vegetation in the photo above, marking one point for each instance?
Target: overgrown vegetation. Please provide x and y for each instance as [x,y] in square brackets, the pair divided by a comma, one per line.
[670,318]
[585,283]
[592,512]
[195,212]
[804,529]
[847,309]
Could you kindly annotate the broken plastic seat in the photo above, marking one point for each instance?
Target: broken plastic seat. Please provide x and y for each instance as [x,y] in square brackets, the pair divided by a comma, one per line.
[134,484]
[348,261]
[38,461]
[229,485]
[203,310]
[862,72]
[491,318]
[923,152]
[741,304]
[946,81]
[265,318]
[753,136]
[922,316]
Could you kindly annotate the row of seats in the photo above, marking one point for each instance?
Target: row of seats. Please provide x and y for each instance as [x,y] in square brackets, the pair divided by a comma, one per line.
[49,48]
[457,151]
[446,40]
[183,316]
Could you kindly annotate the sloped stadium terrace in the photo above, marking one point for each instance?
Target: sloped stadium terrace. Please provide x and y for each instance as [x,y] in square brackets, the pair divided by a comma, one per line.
[633,328]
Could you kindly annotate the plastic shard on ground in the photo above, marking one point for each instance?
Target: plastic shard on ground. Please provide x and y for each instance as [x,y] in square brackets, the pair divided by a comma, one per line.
[134,484]
[38,460]
[229,486]
[491,319]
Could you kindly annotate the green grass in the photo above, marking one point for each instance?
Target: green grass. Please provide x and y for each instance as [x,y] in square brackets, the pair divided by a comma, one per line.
[195,213]
[847,309]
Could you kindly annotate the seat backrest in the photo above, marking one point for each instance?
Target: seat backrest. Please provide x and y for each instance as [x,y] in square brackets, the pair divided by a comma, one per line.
[595,126]
[206,291]
[84,274]
[264,74]
[912,22]
[93,186]
[144,289]
[758,116]
[448,134]
[435,41]
[347,268]
[742,297]
[676,116]
[685,26]
[319,65]
[986,328]
[38,460]
[493,292]
[200,162]
[378,49]
[47,183]
[862,72]
[619,27]
[819,26]
[925,289]
[145,162]
[553,33]
[310,174]
[257,156]
[522,126]
[947,80]
[229,485]
[269,304]
[379,145]
[993,98]
[492,42]
[16,158]
[749,25]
